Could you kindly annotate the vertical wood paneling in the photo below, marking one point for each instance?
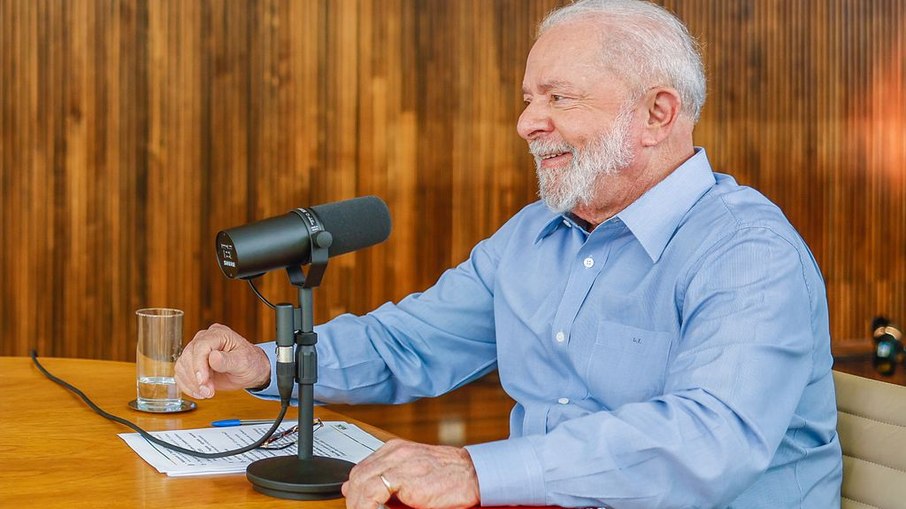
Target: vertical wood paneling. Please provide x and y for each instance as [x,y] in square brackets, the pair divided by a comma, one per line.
[228,179]
[132,131]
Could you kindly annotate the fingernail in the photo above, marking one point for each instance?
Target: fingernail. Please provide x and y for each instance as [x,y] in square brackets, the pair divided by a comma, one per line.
[205,391]
[198,377]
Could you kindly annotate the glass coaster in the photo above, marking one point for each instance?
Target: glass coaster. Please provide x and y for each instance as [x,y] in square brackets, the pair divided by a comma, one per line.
[184,406]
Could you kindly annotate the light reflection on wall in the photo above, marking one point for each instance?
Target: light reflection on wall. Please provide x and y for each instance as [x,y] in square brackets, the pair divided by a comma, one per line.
[884,133]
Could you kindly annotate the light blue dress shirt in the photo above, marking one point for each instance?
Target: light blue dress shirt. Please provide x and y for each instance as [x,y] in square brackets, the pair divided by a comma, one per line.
[676,356]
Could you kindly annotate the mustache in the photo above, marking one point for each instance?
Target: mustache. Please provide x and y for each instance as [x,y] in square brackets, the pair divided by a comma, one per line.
[542,148]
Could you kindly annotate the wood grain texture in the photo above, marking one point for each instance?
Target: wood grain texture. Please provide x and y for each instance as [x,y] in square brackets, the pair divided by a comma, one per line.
[132,131]
[56,452]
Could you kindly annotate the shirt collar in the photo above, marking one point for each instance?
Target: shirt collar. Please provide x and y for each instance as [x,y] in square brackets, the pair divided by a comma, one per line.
[655,215]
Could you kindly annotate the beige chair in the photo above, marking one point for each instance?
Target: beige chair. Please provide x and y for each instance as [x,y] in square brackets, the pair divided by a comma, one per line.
[872,428]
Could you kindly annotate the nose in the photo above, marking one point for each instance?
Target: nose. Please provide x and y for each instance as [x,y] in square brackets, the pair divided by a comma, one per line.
[534,121]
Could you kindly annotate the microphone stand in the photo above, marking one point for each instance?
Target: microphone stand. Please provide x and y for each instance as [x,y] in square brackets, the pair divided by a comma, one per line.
[305,476]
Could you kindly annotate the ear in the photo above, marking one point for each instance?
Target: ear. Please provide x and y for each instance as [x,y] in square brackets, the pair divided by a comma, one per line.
[663,109]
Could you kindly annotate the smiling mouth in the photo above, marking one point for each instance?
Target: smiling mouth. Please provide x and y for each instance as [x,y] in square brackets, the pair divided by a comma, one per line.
[545,150]
[551,155]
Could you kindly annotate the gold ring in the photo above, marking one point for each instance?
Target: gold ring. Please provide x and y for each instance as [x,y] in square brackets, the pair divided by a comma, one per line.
[387,484]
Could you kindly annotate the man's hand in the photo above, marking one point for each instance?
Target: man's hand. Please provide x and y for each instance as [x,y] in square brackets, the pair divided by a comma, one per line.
[218,358]
[419,475]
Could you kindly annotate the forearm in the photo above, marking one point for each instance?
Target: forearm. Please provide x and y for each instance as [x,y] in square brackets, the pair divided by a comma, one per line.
[683,450]
[428,344]
[394,355]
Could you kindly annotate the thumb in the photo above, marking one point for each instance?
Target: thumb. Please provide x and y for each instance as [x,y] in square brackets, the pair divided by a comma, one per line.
[222,362]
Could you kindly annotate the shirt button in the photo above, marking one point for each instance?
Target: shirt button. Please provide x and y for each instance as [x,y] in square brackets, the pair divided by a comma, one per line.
[567,223]
[588,262]
[563,401]
[561,337]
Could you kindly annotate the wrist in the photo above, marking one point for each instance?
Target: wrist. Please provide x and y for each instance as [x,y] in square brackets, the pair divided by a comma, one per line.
[264,367]
[474,490]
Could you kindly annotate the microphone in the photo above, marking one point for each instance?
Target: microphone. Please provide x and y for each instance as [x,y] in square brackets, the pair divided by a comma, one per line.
[302,236]
[247,251]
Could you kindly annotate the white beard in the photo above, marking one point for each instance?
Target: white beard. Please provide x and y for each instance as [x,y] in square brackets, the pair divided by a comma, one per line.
[564,189]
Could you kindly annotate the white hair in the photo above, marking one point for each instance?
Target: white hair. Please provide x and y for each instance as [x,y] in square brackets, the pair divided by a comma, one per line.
[644,44]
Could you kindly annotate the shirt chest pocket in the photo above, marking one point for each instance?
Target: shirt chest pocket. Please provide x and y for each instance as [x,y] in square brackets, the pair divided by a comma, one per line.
[627,364]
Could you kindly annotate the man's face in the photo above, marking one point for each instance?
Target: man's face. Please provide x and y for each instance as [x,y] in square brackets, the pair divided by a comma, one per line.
[577,119]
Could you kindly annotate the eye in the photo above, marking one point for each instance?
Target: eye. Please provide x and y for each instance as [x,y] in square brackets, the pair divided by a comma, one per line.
[560,99]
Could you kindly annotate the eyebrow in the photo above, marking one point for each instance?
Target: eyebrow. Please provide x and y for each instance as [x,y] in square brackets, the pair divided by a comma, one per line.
[548,85]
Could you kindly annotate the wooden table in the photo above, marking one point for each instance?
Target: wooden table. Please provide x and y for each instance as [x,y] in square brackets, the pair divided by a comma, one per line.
[56,452]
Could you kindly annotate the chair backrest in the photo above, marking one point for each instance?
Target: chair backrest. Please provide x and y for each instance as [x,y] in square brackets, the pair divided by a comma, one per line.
[871,424]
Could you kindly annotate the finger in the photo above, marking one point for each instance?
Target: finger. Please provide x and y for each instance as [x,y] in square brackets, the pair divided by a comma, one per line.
[221,362]
[184,381]
[365,494]
[377,463]
[226,337]
[185,371]
[199,349]
[365,487]
[388,484]
[198,369]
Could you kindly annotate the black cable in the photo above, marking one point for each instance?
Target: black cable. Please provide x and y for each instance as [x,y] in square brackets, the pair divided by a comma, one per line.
[262,298]
[147,436]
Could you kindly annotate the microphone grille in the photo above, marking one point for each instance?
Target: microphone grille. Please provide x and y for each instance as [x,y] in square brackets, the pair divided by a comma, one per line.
[354,224]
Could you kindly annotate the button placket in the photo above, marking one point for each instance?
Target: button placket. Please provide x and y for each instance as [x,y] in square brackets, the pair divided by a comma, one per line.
[589,262]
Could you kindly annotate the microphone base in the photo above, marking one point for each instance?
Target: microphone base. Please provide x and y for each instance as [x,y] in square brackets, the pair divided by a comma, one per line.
[289,477]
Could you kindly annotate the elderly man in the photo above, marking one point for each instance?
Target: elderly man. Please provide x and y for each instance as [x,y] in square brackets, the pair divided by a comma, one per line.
[662,329]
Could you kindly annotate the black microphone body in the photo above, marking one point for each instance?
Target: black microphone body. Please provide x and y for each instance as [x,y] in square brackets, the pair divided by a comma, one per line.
[285,241]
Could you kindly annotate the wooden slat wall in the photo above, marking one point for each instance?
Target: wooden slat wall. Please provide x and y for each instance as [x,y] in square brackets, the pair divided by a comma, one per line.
[133,130]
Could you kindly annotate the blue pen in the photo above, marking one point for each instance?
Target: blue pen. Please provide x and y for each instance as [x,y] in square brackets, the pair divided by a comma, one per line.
[225,423]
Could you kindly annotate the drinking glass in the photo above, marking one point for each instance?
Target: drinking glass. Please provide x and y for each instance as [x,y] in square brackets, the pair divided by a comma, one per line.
[159,345]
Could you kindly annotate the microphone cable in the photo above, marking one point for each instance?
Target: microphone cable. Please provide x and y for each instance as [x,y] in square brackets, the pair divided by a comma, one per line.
[154,440]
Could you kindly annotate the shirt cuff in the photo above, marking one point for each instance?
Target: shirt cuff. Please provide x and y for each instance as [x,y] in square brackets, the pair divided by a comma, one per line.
[509,472]
[269,392]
